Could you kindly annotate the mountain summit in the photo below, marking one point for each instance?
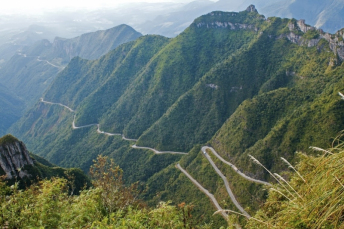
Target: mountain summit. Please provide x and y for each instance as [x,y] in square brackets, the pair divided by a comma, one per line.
[251,8]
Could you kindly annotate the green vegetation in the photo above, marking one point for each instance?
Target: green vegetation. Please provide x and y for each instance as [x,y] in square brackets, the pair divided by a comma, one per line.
[247,90]
[27,75]
[108,204]
[7,139]
[311,34]
[313,199]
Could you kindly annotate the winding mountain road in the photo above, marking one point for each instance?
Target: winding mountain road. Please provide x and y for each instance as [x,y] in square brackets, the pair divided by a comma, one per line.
[55,66]
[229,191]
[205,191]
[106,133]
[156,151]
[60,104]
[80,127]
[204,148]
[39,60]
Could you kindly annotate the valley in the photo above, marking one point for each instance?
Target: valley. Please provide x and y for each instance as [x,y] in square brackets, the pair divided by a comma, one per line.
[204,151]
[188,117]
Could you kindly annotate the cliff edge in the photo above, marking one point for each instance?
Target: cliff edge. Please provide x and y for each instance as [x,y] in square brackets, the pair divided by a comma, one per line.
[13,157]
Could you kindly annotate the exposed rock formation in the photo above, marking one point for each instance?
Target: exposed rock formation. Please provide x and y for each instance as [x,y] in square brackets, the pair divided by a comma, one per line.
[13,157]
[336,42]
[252,8]
[221,21]
[232,26]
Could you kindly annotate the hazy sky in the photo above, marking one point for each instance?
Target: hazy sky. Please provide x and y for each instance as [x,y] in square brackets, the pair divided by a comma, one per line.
[34,6]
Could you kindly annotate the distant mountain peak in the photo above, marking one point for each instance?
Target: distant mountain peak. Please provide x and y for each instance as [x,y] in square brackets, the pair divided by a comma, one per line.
[251,8]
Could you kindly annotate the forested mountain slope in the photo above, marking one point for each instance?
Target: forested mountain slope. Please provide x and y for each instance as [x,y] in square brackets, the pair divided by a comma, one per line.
[11,108]
[28,73]
[239,82]
[31,71]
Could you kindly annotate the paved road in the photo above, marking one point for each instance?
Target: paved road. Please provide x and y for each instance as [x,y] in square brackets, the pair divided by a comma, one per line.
[128,139]
[204,148]
[79,127]
[205,191]
[59,67]
[234,167]
[109,134]
[106,133]
[60,104]
[55,66]
[229,191]
[156,151]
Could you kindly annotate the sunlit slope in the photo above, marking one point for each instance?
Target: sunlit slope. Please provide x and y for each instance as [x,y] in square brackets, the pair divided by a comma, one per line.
[177,68]
[236,81]
[294,104]
[268,63]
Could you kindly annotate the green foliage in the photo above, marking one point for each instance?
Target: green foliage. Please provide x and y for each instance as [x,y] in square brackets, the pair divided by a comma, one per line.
[108,177]
[27,75]
[243,91]
[315,202]
[7,139]
[109,204]
[311,34]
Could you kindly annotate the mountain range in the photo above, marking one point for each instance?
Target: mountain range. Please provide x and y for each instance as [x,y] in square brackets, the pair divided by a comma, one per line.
[29,72]
[241,83]
[162,18]
[327,15]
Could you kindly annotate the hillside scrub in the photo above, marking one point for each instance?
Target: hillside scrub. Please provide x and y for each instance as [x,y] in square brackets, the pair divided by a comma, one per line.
[311,198]
[108,204]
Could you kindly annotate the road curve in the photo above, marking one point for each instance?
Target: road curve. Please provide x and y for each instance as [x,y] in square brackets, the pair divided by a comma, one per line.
[106,133]
[109,134]
[204,148]
[205,191]
[60,104]
[156,151]
[230,193]
[39,60]
[128,139]
[55,66]
[79,127]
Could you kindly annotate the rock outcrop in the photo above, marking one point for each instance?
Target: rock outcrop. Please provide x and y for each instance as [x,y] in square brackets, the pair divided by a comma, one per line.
[228,20]
[252,8]
[14,157]
[336,41]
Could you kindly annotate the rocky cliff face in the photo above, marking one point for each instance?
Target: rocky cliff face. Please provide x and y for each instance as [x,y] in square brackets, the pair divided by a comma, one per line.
[13,157]
[336,41]
[229,20]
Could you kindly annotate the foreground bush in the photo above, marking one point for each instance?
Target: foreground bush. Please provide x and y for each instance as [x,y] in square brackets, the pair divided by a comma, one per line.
[313,198]
[109,204]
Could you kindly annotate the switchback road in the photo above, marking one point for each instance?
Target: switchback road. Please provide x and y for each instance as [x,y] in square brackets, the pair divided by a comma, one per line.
[234,167]
[205,191]
[229,191]
[109,134]
[156,151]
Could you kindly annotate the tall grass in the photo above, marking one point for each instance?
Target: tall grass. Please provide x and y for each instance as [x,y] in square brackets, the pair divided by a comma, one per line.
[321,198]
